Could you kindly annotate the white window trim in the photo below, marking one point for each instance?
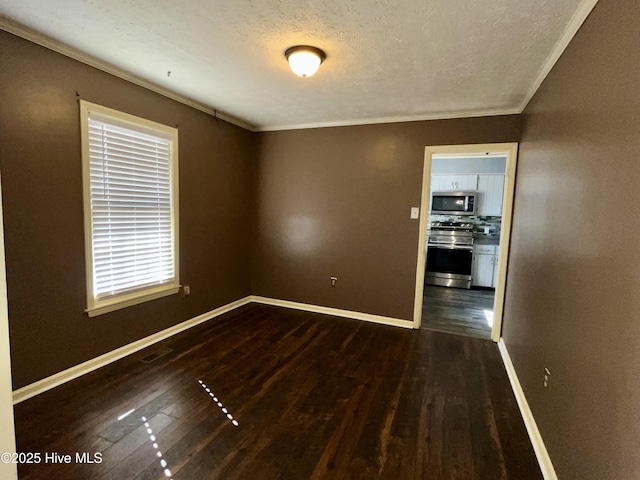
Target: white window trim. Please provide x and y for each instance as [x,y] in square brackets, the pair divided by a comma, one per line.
[100,306]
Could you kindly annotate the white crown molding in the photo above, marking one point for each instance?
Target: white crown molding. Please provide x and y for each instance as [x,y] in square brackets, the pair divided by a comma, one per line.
[546,467]
[398,119]
[59,47]
[580,15]
[572,28]
[69,374]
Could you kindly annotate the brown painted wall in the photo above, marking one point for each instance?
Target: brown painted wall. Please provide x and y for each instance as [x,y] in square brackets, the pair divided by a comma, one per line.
[41,169]
[336,202]
[573,301]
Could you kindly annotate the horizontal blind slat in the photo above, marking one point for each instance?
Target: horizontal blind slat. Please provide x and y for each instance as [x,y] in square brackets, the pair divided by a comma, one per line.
[126,266]
[140,187]
[104,248]
[114,197]
[99,143]
[130,277]
[146,158]
[116,166]
[107,130]
[109,154]
[130,286]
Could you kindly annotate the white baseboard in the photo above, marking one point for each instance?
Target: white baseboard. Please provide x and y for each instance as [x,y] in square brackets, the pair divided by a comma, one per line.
[69,374]
[548,472]
[336,312]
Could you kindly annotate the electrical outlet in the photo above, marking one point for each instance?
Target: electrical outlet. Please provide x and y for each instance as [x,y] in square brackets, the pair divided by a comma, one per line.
[547,377]
[334,280]
[186,291]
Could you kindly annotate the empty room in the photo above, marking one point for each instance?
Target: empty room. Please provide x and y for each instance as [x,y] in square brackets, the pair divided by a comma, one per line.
[319,240]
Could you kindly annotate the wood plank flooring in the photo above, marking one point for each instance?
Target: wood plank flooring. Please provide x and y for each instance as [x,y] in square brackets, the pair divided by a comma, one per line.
[315,397]
[456,310]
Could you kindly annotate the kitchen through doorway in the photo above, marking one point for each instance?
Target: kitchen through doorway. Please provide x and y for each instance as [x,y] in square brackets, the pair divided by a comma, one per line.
[465,225]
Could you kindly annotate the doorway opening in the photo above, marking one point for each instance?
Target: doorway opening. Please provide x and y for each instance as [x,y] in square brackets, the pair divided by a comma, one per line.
[465,225]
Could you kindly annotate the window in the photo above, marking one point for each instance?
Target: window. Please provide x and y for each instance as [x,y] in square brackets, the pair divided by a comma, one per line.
[130,172]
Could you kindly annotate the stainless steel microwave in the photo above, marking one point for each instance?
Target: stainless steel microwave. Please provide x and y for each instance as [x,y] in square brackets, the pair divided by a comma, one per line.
[454,203]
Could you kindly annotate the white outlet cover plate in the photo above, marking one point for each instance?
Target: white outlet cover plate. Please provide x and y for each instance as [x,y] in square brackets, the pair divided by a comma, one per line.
[415,213]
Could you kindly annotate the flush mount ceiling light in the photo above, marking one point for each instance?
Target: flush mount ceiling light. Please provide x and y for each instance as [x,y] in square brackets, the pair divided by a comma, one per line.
[304,60]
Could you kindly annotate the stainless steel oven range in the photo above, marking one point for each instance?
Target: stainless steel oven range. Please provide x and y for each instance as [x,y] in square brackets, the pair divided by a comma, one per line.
[450,254]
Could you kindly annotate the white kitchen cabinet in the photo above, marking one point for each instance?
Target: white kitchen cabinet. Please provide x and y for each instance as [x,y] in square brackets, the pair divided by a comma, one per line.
[490,193]
[484,271]
[454,183]
[482,275]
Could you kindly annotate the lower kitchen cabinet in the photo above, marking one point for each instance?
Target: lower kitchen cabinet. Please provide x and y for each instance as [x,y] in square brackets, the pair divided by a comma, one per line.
[484,272]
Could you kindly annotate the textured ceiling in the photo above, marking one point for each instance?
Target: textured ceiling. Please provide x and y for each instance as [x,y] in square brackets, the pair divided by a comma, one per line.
[406,59]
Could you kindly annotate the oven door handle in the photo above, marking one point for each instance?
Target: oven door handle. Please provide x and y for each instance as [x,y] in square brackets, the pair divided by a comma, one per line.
[452,247]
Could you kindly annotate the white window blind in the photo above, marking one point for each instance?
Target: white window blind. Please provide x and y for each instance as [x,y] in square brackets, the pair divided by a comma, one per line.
[131,208]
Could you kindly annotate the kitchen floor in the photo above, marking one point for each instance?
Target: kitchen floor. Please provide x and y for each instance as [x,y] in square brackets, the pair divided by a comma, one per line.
[459,311]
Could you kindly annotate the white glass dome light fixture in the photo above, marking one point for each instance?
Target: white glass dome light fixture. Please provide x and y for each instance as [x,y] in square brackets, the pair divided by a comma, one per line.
[304,60]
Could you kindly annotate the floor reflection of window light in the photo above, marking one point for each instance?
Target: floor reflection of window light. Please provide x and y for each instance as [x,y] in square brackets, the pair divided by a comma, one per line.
[219,403]
[488,314]
[152,437]
[125,415]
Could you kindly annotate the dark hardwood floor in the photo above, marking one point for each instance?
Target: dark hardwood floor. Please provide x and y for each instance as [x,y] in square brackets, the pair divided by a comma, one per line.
[315,397]
[459,311]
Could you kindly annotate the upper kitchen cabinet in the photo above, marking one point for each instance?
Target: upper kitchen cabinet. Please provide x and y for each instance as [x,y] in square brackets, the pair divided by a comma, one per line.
[490,193]
[455,183]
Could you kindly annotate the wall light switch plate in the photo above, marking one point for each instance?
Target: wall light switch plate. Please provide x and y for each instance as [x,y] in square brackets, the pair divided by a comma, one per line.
[415,213]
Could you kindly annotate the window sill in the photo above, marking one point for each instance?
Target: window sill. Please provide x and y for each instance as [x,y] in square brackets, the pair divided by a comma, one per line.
[114,304]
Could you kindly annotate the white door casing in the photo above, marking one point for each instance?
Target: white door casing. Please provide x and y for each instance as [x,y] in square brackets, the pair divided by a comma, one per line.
[511,152]
[7,428]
